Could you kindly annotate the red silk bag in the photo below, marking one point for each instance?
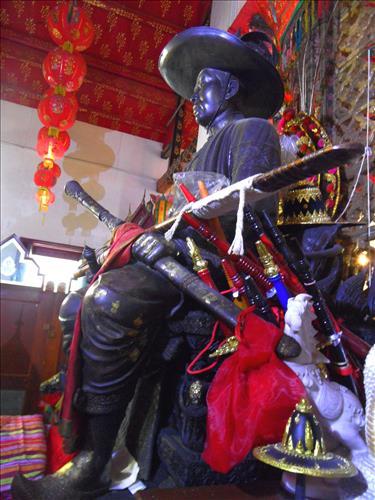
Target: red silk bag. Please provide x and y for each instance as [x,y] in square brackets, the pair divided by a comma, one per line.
[251,397]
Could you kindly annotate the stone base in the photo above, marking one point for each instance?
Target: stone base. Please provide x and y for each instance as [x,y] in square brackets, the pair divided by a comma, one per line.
[188,469]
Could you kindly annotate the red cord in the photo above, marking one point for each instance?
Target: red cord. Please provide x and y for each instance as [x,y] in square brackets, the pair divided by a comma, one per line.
[189,370]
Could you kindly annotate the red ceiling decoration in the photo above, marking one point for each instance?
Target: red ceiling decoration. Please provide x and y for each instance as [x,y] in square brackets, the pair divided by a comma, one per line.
[277,15]
[123,89]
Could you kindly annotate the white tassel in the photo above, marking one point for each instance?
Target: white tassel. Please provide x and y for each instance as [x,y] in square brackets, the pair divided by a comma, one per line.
[170,233]
[237,246]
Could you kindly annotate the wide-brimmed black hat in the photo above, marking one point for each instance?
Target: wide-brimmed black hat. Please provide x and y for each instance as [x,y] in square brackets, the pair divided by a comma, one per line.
[248,59]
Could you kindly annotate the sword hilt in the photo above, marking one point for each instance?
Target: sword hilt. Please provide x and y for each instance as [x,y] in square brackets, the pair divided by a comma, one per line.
[76,191]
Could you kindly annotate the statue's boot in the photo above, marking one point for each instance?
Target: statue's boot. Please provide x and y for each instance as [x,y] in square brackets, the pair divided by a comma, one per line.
[86,476]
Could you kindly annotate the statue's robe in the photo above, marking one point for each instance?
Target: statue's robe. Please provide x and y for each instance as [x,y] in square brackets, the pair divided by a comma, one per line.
[241,148]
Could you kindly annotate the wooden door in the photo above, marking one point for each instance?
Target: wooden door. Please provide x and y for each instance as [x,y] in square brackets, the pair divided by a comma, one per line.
[30,341]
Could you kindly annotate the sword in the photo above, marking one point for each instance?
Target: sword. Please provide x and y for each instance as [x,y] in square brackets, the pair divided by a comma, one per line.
[263,185]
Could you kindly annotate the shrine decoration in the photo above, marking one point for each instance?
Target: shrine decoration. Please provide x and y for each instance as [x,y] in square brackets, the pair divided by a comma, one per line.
[57,111]
[315,200]
[51,166]
[44,177]
[64,70]
[48,143]
[70,27]
[44,197]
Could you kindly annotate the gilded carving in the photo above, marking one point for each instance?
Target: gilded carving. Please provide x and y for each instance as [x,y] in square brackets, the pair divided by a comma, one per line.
[131,16]
[89,9]
[98,32]
[158,36]
[30,26]
[149,66]
[19,7]
[107,106]
[105,51]
[135,129]
[93,117]
[44,11]
[4,17]
[135,29]
[115,123]
[111,20]
[120,41]
[115,306]
[84,99]
[98,92]
[143,48]
[188,14]
[127,58]
[25,70]
[12,78]
[120,99]
[142,104]
[149,118]
[165,5]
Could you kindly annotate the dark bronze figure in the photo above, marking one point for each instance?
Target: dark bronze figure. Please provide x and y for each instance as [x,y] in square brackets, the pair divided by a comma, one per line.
[235,88]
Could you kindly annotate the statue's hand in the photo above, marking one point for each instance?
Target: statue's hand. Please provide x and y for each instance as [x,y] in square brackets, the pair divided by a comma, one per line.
[150,247]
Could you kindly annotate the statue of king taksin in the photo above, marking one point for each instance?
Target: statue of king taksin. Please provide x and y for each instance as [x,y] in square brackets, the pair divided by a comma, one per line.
[235,88]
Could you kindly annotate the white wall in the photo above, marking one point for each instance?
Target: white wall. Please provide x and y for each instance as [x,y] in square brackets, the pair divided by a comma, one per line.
[223,13]
[112,166]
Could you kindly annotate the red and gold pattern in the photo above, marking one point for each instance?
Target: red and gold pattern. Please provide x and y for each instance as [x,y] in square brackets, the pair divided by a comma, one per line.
[276,13]
[128,76]
[51,166]
[312,137]
[44,177]
[70,26]
[45,197]
[64,70]
[50,144]
[58,111]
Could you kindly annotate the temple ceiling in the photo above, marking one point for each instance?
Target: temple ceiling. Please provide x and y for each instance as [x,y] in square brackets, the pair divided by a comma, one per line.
[123,89]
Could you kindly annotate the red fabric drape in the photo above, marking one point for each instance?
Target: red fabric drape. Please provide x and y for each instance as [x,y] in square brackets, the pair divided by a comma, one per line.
[251,397]
[119,255]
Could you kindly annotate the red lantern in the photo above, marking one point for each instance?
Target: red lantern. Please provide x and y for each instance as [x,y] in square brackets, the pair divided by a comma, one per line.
[58,111]
[50,165]
[50,144]
[44,197]
[44,178]
[70,25]
[64,69]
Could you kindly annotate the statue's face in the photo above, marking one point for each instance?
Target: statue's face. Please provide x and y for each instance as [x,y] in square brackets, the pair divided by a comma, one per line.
[208,95]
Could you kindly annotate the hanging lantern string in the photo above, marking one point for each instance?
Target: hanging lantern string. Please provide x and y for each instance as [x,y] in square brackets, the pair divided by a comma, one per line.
[366,156]
[368,153]
[72,6]
[354,188]
[322,46]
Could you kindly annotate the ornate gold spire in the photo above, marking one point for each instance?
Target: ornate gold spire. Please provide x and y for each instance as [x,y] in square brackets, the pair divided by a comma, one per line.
[199,264]
[270,268]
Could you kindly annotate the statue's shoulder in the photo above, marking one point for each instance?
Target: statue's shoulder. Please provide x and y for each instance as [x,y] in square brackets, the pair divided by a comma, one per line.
[254,123]
[254,128]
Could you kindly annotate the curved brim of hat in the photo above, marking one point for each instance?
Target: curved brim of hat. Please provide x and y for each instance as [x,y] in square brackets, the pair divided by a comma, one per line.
[203,47]
[328,465]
